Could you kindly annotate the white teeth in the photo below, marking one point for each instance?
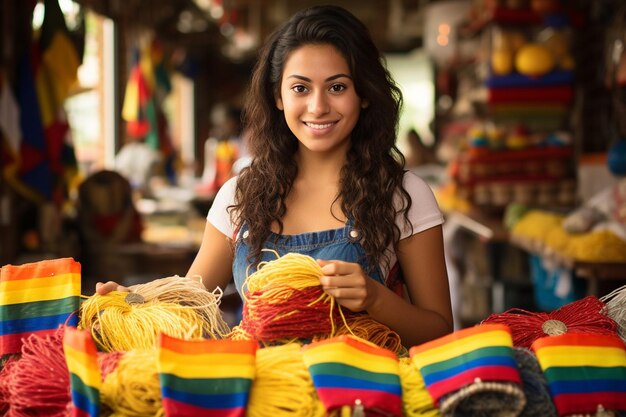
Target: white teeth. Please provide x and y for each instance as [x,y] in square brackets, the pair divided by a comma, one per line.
[318,126]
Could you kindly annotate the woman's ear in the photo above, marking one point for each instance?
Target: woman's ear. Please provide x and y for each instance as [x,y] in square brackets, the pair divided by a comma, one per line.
[365,104]
[279,103]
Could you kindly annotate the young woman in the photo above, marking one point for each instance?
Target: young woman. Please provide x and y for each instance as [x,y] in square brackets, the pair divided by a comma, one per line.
[327,180]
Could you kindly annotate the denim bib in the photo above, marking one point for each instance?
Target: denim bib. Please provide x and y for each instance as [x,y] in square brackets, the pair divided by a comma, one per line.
[335,244]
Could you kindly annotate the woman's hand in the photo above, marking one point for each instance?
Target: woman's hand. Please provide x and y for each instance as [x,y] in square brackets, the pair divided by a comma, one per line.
[348,284]
[105,288]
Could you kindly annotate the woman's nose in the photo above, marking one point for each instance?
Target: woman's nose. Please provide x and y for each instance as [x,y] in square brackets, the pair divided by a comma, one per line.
[318,103]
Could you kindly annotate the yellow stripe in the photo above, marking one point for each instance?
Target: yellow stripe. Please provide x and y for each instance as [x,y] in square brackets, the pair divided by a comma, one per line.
[463,346]
[206,371]
[236,359]
[40,282]
[84,366]
[350,356]
[40,294]
[581,356]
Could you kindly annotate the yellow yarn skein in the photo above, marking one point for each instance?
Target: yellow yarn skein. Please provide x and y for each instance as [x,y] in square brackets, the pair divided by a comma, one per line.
[416,400]
[133,388]
[179,307]
[283,385]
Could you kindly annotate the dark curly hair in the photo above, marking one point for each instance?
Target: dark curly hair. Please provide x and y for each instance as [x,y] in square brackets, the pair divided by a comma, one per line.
[374,170]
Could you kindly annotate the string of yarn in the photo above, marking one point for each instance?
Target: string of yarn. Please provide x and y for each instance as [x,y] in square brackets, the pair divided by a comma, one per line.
[416,400]
[179,307]
[283,385]
[37,382]
[615,308]
[284,300]
[132,389]
[188,293]
[582,316]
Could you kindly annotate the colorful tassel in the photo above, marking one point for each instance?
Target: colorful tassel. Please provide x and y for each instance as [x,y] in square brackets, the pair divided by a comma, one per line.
[583,316]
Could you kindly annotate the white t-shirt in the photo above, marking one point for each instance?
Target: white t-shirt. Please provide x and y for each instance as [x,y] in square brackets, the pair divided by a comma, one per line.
[424,212]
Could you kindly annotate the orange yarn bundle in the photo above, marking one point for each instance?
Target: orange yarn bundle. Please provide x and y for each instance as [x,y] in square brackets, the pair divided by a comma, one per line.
[582,316]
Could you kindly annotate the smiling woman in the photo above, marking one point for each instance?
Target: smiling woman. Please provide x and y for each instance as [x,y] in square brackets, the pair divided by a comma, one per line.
[327,181]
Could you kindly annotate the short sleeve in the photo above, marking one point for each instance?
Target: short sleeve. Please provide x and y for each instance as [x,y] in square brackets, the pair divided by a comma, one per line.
[218,215]
[424,212]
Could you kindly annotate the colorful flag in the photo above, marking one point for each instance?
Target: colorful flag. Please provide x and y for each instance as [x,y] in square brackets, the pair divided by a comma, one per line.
[452,362]
[36,298]
[585,372]
[85,379]
[206,378]
[347,371]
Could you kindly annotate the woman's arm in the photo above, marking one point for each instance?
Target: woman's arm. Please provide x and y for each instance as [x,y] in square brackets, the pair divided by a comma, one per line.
[214,260]
[427,316]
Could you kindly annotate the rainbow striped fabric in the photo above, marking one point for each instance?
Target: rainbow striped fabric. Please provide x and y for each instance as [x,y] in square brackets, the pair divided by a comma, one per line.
[455,361]
[345,369]
[85,380]
[37,298]
[206,378]
[584,371]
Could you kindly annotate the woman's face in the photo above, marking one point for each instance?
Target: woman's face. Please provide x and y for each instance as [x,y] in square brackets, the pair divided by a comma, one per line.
[318,98]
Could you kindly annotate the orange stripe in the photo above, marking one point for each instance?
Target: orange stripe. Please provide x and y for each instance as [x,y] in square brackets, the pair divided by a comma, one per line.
[579,339]
[355,343]
[458,336]
[40,269]
[79,340]
[195,347]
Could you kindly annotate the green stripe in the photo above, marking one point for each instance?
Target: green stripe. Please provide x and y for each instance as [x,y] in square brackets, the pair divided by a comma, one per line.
[577,373]
[202,386]
[88,391]
[459,360]
[340,369]
[38,308]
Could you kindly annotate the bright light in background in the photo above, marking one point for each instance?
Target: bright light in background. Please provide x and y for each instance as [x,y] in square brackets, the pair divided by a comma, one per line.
[440,35]
[68,7]
[414,74]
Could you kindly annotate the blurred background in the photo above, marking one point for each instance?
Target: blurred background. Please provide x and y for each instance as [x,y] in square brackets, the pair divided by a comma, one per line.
[120,119]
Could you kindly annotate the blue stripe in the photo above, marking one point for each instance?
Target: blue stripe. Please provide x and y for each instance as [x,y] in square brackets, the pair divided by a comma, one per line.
[588,386]
[84,403]
[336,381]
[476,363]
[32,324]
[217,401]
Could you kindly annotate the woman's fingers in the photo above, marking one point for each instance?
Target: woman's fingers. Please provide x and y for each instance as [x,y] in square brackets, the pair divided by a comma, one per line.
[105,288]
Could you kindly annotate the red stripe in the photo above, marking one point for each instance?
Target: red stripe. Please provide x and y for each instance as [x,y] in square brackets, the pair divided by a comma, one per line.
[79,340]
[578,403]
[459,335]
[579,339]
[12,343]
[336,397]
[195,347]
[462,379]
[77,412]
[178,409]
[39,269]
[355,343]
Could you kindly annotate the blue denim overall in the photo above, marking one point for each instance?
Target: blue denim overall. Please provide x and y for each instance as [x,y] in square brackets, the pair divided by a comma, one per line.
[334,244]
